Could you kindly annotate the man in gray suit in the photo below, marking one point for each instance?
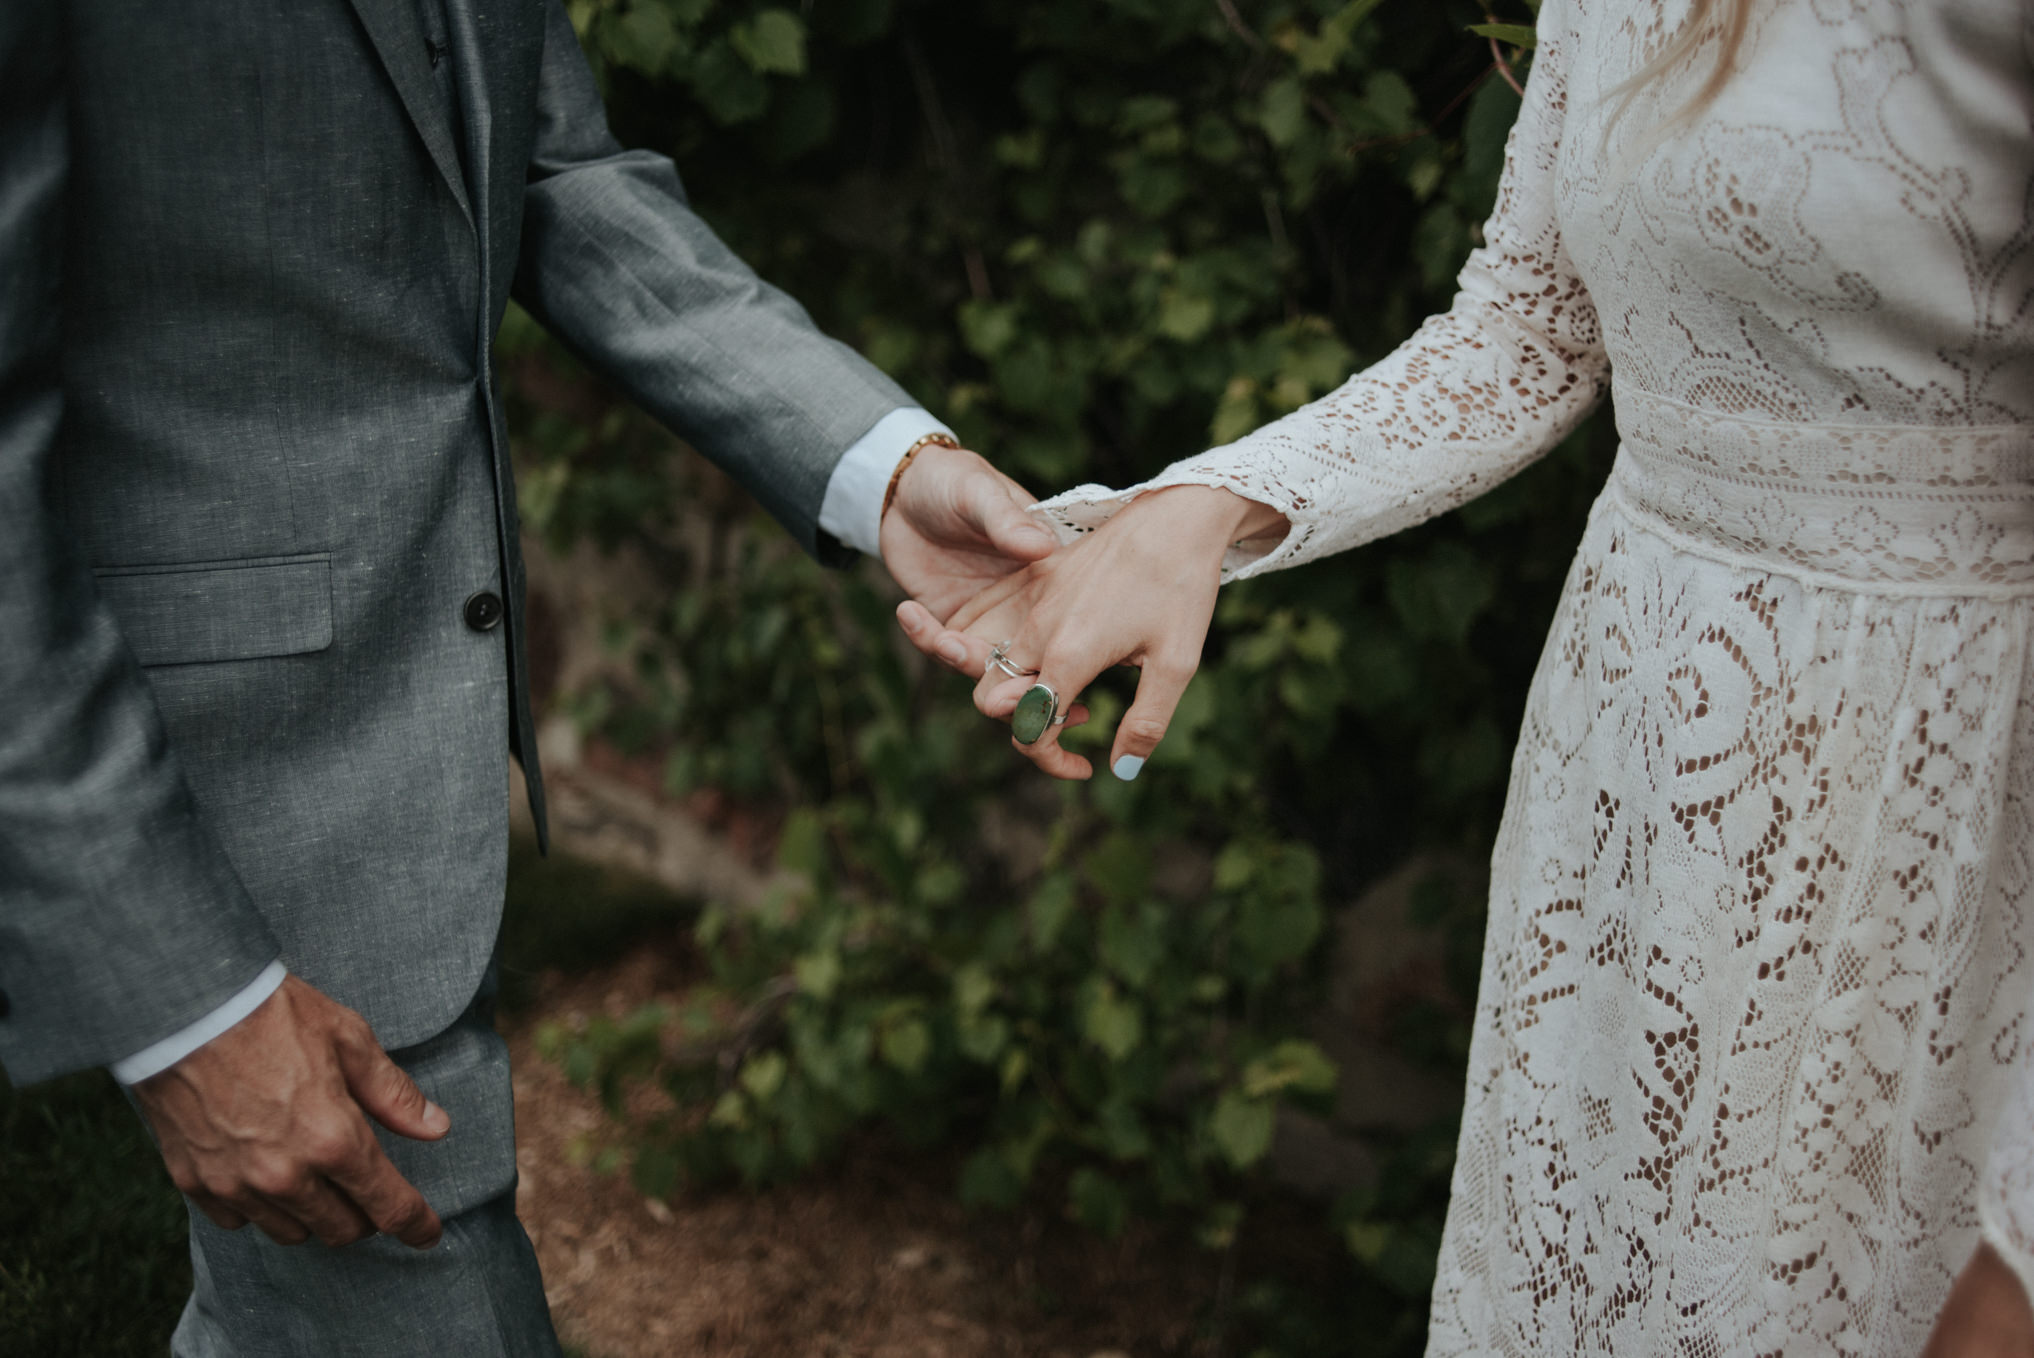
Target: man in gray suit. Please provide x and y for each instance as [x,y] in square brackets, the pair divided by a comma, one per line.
[261,660]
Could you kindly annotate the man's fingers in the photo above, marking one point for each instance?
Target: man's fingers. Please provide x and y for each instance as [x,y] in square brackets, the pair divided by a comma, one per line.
[217,1212]
[272,1221]
[1160,685]
[956,650]
[971,614]
[328,1214]
[389,1096]
[389,1200]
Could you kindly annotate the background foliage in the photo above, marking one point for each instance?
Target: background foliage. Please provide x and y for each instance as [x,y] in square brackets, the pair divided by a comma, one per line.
[1094,235]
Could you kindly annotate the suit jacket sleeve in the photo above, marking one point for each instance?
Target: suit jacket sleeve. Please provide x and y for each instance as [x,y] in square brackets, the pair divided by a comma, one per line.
[121,919]
[617,265]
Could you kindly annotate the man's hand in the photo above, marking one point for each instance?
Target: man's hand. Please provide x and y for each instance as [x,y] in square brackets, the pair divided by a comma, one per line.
[957,526]
[1139,590]
[268,1123]
[1986,1316]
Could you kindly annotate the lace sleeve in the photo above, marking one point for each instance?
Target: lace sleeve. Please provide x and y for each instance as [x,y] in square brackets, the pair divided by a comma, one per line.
[1476,395]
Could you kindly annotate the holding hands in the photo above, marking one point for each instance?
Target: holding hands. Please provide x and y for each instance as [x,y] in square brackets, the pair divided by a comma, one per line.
[1138,591]
[955,526]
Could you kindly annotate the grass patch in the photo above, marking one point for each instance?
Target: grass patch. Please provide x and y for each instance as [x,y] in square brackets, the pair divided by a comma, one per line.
[92,1252]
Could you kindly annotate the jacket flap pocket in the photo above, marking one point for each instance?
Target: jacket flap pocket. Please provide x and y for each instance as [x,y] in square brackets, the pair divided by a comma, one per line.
[222,610]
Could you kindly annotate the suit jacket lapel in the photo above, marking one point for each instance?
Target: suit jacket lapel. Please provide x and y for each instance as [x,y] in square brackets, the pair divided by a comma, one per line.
[398,38]
[471,47]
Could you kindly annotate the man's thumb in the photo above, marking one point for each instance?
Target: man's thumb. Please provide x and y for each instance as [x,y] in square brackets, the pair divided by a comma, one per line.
[1008,525]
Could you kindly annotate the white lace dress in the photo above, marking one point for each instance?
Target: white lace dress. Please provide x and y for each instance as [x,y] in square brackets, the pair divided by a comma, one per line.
[1753,1063]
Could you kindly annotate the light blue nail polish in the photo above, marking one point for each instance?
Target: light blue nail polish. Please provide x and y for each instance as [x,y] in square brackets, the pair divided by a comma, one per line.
[1128,767]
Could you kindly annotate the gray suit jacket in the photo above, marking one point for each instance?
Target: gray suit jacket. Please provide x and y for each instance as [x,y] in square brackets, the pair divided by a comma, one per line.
[245,709]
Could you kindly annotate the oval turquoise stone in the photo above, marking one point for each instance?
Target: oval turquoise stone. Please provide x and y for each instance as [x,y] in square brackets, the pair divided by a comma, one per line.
[1033,714]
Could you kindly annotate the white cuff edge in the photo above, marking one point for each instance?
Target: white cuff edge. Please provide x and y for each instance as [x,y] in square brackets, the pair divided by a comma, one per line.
[160,1056]
[852,508]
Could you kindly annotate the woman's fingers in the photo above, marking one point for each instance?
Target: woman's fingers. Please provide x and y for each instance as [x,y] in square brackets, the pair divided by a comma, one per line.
[972,616]
[1160,686]
[1037,719]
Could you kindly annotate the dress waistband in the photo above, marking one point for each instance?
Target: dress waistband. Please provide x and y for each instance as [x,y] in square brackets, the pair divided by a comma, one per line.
[1896,509]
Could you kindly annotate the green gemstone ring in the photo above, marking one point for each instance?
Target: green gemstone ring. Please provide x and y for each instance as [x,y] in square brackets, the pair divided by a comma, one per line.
[1036,713]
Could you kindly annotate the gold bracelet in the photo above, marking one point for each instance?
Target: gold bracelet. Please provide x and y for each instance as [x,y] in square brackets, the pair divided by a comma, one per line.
[944,440]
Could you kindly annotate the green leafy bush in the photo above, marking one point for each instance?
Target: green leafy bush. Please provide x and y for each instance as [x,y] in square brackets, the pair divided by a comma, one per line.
[1094,235]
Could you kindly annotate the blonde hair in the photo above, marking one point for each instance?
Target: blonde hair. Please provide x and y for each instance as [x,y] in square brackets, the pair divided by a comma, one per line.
[1718,23]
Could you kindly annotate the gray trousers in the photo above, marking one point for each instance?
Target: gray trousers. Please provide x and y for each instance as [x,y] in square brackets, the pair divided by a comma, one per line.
[475,1295]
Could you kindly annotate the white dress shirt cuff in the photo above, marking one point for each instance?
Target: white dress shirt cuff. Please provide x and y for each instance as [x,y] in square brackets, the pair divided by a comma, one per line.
[853,507]
[174,1048]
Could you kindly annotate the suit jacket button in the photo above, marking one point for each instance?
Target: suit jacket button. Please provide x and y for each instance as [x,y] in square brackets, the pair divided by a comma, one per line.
[483,611]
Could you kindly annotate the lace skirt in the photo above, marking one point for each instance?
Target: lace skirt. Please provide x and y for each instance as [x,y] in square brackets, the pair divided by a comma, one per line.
[1756,979]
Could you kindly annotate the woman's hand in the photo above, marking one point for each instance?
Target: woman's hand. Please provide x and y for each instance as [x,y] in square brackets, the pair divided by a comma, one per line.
[1987,1314]
[1139,591]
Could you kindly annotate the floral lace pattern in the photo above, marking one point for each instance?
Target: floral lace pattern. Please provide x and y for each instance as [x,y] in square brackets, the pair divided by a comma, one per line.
[1752,1066]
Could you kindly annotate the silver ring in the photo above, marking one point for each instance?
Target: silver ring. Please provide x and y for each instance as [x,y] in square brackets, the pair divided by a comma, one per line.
[999,658]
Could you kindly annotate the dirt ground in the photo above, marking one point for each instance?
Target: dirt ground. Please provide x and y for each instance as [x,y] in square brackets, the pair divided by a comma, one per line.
[873,1258]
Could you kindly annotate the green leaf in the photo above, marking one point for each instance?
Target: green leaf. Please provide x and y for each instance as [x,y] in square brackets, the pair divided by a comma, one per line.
[1238,414]
[1283,112]
[1016,1065]
[1183,315]
[1291,1064]
[1242,1127]
[731,1110]
[801,848]
[1515,35]
[1153,187]
[988,327]
[773,43]
[1236,864]
[983,1039]
[763,1074]
[729,87]
[1391,102]
[1132,941]
[905,1045]
[1111,1022]
[1279,930]
[1119,867]
[973,988]
[817,973]
[1441,596]
[1050,907]
[645,39]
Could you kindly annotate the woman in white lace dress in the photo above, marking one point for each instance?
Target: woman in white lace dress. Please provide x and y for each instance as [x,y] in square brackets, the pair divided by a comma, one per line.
[1752,1053]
